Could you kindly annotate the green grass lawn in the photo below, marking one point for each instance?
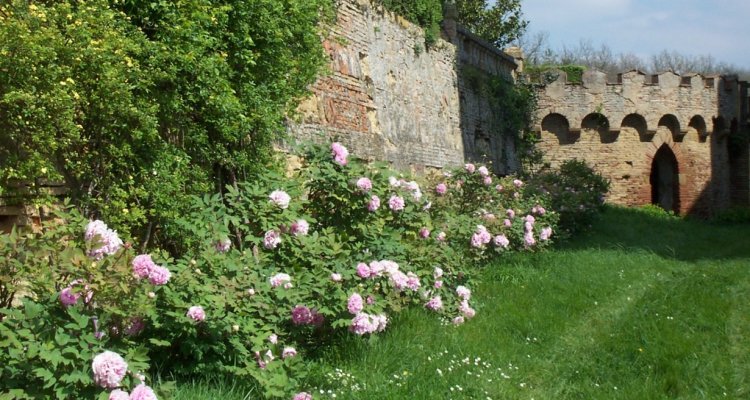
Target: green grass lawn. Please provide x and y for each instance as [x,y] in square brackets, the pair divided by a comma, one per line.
[642,307]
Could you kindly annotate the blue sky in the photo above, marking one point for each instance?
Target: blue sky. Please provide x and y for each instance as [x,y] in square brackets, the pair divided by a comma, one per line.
[720,28]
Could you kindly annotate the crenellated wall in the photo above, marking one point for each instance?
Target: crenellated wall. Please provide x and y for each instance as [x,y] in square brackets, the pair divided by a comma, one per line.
[619,127]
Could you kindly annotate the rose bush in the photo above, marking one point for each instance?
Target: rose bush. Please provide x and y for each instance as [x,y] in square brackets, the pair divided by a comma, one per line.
[77,303]
[575,190]
[266,271]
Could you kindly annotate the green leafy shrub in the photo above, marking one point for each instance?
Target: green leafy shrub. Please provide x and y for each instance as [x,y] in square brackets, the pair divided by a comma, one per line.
[734,215]
[268,270]
[545,73]
[655,211]
[473,201]
[426,13]
[135,105]
[576,192]
[78,297]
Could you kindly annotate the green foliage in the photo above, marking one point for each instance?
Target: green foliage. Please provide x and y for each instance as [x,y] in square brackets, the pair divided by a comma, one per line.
[275,275]
[502,206]
[514,107]
[655,211]
[137,104]
[50,346]
[734,215]
[426,13]
[499,23]
[244,309]
[545,73]
[576,191]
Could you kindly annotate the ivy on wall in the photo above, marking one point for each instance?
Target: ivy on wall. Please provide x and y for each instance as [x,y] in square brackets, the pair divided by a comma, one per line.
[426,13]
[546,73]
[514,107]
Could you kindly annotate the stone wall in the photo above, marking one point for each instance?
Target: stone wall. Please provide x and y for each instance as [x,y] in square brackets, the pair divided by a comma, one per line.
[480,122]
[388,97]
[619,127]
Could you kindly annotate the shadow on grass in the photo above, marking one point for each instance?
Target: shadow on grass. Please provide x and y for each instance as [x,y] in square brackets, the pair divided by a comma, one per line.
[668,236]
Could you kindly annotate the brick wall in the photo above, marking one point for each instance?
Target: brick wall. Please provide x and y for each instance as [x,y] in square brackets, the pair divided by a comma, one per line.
[618,128]
[388,97]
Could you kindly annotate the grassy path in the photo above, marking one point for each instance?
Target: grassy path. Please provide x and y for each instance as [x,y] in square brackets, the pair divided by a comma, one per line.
[643,307]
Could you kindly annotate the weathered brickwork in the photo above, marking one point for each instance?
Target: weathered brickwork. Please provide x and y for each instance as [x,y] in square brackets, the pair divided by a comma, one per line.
[387,97]
[618,128]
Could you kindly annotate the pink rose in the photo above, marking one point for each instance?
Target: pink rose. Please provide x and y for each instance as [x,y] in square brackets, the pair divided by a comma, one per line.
[196,313]
[339,153]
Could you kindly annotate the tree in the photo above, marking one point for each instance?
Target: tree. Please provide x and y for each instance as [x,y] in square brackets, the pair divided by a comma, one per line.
[137,104]
[535,47]
[499,24]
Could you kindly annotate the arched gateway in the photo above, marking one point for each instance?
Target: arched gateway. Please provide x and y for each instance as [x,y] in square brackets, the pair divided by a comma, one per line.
[665,182]
[619,127]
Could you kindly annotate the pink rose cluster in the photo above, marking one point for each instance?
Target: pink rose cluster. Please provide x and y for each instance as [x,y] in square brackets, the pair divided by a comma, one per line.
[144,267]
[390,269]
[196,313]
[223,245]
[303,315]
[302,396]
[413,187]
[396,203]
[528,229]
[280,199]
[104,240]
[464,308]
[538,210]
[70,295]
[339,153]
[300,227]
[140,392]
[501,241]
[394,182]
[109,369]
[288,352]
[545,234]
[364,184]
[355,304]
[403,281]
[434,303]
[480,237]
[271,240]
[281,279]
[373,204]
[364,323]
[441,189]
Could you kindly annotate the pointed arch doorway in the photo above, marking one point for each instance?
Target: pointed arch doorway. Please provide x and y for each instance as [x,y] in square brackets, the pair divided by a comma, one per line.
[665,182]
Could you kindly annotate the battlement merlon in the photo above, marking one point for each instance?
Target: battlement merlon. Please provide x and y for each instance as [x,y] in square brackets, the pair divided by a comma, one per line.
[685,97]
